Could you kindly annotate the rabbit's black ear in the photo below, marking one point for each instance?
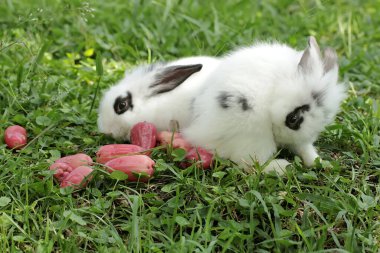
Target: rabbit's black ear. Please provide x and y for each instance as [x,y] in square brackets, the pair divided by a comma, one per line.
[171,77]
[311,57]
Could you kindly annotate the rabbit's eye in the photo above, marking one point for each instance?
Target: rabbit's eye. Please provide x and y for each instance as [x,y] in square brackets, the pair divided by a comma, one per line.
[123,104]
[295,119]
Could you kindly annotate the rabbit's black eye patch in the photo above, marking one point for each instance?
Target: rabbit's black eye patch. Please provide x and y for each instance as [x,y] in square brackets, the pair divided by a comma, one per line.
[295,118]
[123,104]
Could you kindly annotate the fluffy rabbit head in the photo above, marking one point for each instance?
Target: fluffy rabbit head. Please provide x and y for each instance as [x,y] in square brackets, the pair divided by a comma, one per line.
[155,93]
[307,100]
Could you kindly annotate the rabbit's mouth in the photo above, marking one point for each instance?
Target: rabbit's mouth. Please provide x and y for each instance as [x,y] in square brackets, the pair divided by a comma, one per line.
[284,136]
[118,133]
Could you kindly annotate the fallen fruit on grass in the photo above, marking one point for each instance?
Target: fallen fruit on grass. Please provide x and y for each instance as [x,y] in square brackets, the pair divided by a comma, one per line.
[144,134]
[62,170]
[65,165]
[165,137]
[137,167]
[78,177]
[112,151]
[175,139]
[15,137]
[182,143]
[76,160]
[196,154]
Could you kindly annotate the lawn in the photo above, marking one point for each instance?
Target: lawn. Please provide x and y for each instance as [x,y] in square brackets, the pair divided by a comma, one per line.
[48,80]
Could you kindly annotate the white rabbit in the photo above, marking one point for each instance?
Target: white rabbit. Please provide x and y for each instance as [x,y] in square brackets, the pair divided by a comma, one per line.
[267,96]
[157,93]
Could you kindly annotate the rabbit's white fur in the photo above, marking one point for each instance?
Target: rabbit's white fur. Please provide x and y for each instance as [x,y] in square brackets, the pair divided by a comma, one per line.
[158,109]
[242,111]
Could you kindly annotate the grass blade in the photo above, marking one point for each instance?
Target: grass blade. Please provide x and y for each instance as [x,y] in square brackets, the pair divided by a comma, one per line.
[99,71]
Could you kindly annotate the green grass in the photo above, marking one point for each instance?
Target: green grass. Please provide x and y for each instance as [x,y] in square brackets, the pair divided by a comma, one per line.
[48,79]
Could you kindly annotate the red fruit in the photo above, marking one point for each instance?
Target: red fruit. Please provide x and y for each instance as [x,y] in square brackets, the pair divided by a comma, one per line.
[76,160]
[132,165]
[182,143]
[196,154]
[112,151]
[144,134]
[15,137]
[65,165]
[78,177]
[175,139]
[166,137]
[61,170]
